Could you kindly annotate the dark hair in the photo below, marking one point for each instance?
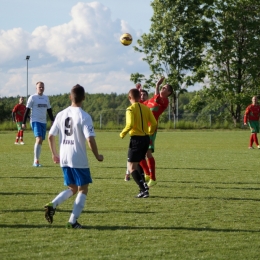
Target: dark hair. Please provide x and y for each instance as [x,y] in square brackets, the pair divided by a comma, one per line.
[134,93]
[144,91]
[77,94]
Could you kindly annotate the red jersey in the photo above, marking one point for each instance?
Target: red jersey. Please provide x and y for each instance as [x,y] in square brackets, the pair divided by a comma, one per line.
[157,105]
[19,111]
[252,113]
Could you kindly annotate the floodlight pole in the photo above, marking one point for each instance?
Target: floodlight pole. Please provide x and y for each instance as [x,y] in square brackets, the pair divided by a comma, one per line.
[27,59]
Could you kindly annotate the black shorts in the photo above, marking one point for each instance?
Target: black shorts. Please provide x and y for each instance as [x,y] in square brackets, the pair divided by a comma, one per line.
[138,148]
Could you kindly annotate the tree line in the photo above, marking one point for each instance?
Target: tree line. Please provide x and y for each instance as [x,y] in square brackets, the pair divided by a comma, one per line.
[112,107]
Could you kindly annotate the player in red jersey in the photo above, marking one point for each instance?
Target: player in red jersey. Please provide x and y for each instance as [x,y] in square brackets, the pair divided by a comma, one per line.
[157,104]
[17,115]
[251,118]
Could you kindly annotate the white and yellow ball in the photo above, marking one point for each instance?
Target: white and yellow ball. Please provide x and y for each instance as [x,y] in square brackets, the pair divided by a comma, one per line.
[126,39]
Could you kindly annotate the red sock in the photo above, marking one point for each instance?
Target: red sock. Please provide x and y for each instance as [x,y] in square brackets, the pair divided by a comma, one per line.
[21,135]
[151,163]
[145,167]
[17,137]
[251,140]
[255,138]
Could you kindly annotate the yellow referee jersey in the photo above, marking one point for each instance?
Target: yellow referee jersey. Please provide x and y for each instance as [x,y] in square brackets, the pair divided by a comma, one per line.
[140,121]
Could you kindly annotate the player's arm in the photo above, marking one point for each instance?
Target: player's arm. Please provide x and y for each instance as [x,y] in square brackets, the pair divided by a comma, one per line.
[49,111]
[13,116]
[157,88]
[93,147]
[26,114]
[129,123]
[246,115]
[52,145]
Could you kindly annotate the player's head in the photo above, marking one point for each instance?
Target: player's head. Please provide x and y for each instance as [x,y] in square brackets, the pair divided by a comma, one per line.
[144,95]
[166,90]
[77,94]
[21,100]
[254,100]
[134,95]
[40,88]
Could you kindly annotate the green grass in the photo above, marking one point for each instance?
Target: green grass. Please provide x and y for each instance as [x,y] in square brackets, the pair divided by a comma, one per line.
[205,205]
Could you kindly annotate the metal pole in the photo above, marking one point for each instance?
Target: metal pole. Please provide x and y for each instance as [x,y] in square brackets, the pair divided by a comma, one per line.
[177,106]
[169,110]
[27,59]
[27,83]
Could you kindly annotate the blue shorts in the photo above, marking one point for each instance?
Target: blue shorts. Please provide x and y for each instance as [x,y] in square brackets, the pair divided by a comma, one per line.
[39,129]
[76,176]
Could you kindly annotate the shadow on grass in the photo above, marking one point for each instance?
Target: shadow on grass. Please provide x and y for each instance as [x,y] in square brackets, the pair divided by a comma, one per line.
[151,197]
[225,188]
[168,168]
[203,198]
[211,182]
[145,228]
[25,193]
[30,177]
[84,212]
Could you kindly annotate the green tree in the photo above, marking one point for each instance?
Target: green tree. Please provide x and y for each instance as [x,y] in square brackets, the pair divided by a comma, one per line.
[232,64]
[174,45]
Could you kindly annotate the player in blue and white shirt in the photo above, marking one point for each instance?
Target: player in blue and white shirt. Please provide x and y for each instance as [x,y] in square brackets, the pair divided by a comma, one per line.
[38,104]
[74,127]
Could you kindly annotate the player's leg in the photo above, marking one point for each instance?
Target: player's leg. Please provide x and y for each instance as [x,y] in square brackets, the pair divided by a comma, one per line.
[20,132]
[151,161]
[145,167]
[251,140]
[151,164]
[83,179]
[141,171]
[133,168]
[136,152]
[127,174]
[17,134]
[255,139]
[37,151]
[256,128]
[39,130]
[62,196]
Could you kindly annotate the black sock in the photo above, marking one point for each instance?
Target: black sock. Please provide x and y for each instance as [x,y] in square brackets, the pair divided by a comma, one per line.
[138,179]
[141,171]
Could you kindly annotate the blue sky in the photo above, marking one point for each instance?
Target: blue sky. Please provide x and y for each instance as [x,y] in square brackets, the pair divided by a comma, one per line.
[70,42]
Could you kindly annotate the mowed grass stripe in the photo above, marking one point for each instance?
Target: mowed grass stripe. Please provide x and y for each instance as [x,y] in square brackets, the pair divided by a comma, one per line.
[205,205]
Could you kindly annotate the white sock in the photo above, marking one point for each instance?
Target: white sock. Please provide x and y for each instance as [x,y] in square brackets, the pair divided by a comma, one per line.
[64,195]
[127,172]
[37,151]
[79,204]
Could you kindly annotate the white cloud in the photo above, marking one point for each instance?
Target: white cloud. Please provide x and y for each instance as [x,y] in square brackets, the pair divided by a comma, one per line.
[86,50]
[12,43]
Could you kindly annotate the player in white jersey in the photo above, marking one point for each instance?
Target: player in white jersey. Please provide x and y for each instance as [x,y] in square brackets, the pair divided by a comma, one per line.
[74,127]
[38,104]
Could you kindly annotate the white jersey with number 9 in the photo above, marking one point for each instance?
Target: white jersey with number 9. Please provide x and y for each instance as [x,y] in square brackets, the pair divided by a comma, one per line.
[74,126]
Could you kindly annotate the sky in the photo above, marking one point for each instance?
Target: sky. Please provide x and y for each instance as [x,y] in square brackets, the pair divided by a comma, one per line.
[70,42]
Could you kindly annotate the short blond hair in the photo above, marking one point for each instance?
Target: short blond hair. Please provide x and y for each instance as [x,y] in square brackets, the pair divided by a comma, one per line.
[39,82]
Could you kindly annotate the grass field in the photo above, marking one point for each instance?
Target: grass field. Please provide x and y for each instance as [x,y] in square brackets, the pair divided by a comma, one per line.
[205,205]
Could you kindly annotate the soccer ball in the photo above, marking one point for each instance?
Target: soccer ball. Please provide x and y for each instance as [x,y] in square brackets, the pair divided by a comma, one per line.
[126,39]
